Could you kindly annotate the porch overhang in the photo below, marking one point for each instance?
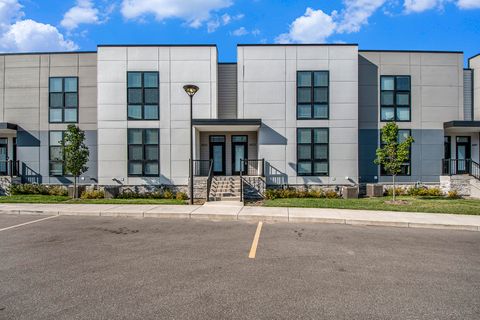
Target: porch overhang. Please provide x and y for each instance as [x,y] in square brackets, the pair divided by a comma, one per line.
[231,125]
[462,126]
[7,127]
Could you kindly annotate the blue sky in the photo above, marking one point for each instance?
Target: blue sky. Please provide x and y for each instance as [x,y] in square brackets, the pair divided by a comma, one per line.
[48,25]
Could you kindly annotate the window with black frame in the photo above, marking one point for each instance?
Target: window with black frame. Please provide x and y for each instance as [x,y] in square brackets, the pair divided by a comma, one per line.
[56,153]
[142,95]
[143,152]
[406,168]
[312,95]
[395,98]
[312,152]
[63,100]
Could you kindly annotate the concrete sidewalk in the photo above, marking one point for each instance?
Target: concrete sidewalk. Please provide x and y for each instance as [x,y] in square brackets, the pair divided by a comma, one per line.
[236,211]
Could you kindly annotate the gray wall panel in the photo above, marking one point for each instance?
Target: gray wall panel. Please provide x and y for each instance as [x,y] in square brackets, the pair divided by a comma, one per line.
[227,91]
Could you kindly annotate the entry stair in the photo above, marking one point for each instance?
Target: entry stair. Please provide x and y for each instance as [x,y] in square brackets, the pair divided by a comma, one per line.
[225,188]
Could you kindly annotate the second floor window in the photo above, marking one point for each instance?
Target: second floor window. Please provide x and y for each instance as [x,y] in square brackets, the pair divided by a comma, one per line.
[142,95]
[312,94]
[63,99]
[395,99]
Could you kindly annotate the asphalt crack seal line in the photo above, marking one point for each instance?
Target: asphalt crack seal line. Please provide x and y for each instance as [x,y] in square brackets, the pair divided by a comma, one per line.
[24,224]
[253,249]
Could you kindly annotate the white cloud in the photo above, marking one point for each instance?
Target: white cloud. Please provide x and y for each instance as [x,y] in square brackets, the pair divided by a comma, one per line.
[195,12]
[412,6]
[83,13]
[10,10]
[240,32]
[214,24]
[356,14]
[313,26]
[29,35]
[468,4]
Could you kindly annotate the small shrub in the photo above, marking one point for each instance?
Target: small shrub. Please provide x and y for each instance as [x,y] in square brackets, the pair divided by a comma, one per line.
[331,194]
[167,194]
[424,192]
[41,189]
[93,194]
[453,194]
[181,196]
[57,191]
[399,191]
[271,194]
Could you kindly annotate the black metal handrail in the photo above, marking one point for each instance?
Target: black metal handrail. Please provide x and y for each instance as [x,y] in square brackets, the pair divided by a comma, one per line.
[253,167]
[453,167]
[209,180]
[201,168]
[10,168]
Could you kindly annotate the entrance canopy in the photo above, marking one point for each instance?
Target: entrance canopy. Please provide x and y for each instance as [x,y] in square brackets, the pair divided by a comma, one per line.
[462,126]
[230,125]
[7,127]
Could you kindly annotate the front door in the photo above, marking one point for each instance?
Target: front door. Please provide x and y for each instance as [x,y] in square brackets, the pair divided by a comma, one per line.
[3,156]
[217,154]
[463,154]
[239,152]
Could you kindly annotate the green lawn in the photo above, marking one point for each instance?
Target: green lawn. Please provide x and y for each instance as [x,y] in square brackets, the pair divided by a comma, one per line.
[415,204]
[65,199]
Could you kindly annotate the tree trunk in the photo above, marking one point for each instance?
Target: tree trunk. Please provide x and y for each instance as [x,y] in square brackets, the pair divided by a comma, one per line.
[393,178]
[75,195]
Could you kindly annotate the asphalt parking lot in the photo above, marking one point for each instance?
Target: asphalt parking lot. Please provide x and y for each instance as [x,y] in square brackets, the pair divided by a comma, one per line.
[124,268]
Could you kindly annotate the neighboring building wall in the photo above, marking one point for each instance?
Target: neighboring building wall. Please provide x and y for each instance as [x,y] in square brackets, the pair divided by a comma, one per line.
[436,97]
[474,64]
[205,146]
[24,82]
[227,90]
[177,66]
[468,94]
[267,84]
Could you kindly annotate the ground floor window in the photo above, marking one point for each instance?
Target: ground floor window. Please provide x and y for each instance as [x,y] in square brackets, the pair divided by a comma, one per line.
[406,169]
[56,153]
[143,152]
[312,151]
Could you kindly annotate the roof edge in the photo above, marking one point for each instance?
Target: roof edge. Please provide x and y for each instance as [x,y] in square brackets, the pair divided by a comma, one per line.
[297,44]
[156,45]
[413,51]
[45,52]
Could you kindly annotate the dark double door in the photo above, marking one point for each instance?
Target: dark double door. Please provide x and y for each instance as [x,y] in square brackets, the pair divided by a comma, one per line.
[217,151]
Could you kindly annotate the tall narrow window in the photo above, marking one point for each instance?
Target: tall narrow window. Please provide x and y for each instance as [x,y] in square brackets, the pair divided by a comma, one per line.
[312,94]
[312,151]
[406,169]
[63,99]
[56,153]
[142,95]
[395,98]
[143,155]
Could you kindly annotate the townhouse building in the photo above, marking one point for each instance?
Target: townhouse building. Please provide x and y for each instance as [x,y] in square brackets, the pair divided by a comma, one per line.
[291,114]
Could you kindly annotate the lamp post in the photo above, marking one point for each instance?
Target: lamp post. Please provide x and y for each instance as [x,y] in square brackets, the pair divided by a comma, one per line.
[191,89]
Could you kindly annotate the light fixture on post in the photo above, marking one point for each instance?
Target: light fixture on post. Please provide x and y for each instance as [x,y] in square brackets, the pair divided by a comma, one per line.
[191,89]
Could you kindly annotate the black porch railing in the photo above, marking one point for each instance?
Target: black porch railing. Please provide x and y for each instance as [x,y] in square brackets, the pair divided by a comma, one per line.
[453,167]
[209,180]
[253,167]
[10,168]
[201,168]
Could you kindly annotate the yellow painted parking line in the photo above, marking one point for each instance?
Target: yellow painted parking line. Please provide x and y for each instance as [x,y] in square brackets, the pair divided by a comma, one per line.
[253,249]
[30,222]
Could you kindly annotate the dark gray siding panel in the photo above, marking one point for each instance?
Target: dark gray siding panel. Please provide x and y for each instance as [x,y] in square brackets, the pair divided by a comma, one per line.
[467,94]
[227,91]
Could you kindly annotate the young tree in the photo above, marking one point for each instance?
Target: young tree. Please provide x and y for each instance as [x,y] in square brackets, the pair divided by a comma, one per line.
[394,153]
[75,153]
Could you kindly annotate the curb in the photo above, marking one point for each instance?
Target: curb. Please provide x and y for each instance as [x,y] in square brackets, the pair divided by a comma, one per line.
[246,218]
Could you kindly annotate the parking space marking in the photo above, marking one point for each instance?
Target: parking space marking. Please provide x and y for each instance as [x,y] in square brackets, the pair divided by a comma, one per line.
[25,223]
[253,249]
